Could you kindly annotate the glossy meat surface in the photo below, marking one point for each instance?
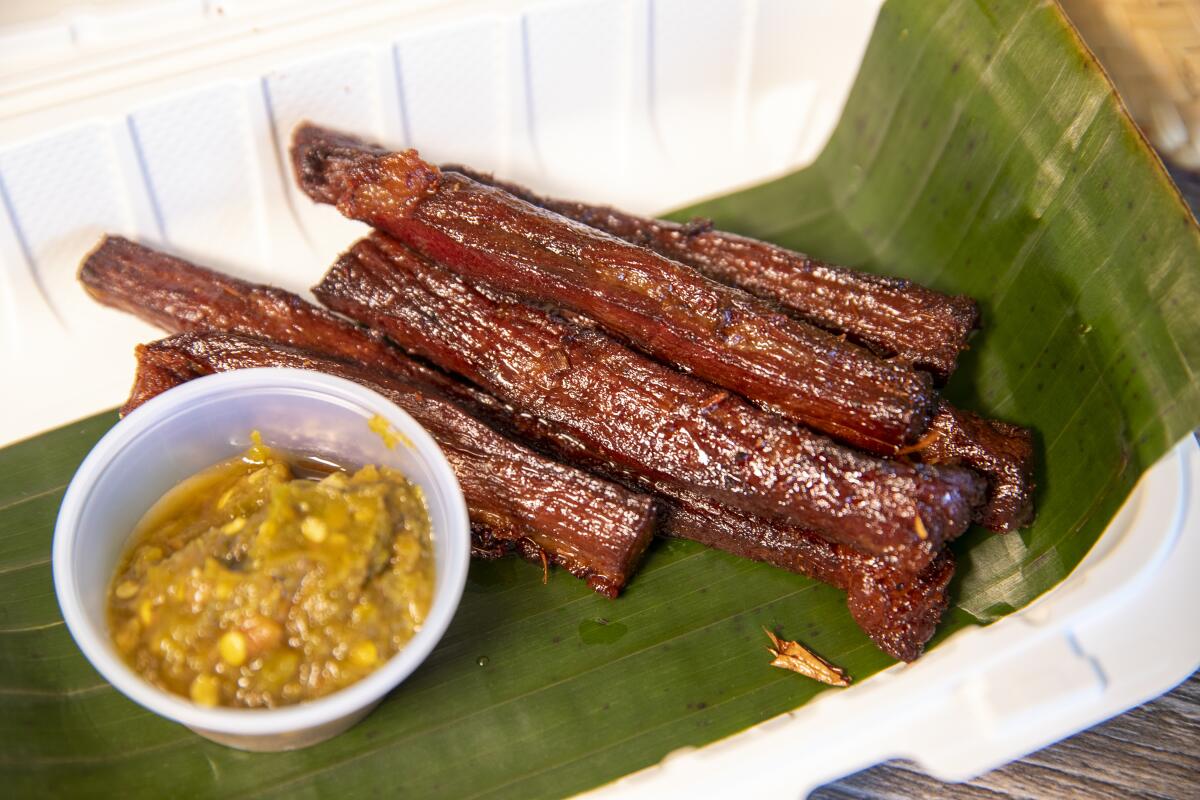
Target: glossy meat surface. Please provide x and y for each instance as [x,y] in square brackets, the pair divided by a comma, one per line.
[1000,451]
[897,608]
[179,296]
[639,417]
[593,528]
[892,316]
[722,334]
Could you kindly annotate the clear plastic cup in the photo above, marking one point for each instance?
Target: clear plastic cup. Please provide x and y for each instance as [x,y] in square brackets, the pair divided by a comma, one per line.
[193,426]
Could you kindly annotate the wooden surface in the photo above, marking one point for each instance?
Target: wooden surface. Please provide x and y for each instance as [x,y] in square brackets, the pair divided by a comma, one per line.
[1151,50]
[1150,752]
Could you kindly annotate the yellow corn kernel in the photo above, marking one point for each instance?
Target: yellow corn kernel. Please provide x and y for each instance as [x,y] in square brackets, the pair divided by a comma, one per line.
[233,526]
[364,654]
[146,612]
[205,690]
[314,529]
[126,590]
[232,646]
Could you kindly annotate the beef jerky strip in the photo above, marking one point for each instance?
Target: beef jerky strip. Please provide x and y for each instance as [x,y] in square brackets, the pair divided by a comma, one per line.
[594,529]
[1000,451]
[898,625]
[646,419]
[179,296]
[898,609]
[159,369]
[667,309]
[892,316]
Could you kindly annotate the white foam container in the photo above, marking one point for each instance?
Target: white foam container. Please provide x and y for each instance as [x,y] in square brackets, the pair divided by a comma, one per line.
[168,123]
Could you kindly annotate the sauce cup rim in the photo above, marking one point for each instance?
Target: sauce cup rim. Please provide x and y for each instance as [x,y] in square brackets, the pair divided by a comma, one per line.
[96,644]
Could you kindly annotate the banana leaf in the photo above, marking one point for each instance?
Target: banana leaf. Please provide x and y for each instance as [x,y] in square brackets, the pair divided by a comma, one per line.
[981,151]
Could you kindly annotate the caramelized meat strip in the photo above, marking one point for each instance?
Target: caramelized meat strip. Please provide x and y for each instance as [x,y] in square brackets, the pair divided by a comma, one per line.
[179,296]
[667,309]
[892,316]
[171,292]
[1000,451]
[160,369]
[644,419]
[898,609]
[594,529]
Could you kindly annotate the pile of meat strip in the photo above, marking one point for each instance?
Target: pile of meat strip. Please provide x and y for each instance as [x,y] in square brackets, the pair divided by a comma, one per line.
[596,377]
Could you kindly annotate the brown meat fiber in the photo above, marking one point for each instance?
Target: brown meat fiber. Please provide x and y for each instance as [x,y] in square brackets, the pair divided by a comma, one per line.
[719,333]
[892,316]
[645,419]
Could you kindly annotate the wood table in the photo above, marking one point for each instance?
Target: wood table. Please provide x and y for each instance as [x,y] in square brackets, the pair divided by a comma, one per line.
[1150,752]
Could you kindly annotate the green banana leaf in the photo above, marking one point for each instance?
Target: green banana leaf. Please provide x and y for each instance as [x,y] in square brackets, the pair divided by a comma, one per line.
[982,151]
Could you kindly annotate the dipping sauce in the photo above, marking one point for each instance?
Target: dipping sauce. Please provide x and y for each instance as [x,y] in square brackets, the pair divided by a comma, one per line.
[250,586]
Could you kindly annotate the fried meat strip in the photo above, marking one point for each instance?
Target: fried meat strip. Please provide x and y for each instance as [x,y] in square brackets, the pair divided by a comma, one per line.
[640,418]
[179,296]
[898,609]
[1000,451]
[516,498]
[892,316]
[667,309]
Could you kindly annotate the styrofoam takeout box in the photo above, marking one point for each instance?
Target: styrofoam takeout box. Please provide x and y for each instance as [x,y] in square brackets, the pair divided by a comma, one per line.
[169,123]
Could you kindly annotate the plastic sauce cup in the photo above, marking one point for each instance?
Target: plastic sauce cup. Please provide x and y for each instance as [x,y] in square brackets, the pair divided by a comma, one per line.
[196,425]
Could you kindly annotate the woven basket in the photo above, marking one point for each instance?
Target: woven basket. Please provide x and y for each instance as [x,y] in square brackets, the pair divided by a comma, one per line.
[1151,50]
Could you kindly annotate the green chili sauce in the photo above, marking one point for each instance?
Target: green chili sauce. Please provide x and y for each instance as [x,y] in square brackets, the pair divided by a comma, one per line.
[249,586]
